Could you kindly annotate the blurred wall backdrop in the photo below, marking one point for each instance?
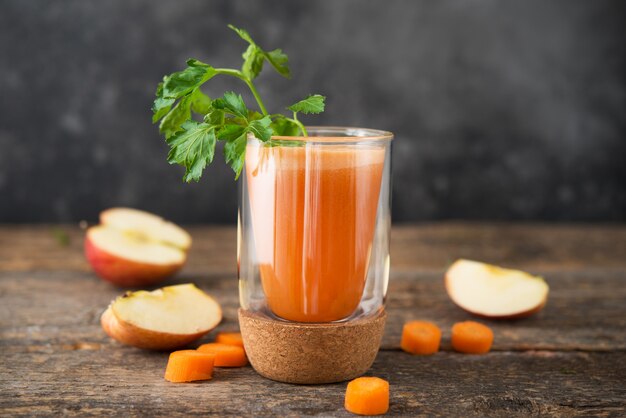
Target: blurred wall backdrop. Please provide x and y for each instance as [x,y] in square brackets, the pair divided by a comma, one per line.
[502,110]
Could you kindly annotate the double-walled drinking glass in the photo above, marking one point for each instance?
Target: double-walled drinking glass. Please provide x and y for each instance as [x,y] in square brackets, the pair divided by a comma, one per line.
[313,225]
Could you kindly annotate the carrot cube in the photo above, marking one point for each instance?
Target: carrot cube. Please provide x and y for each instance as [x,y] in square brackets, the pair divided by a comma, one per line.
[471,337]
[188,366]
[230,338]
[420,337]
[367,396]
[225,355]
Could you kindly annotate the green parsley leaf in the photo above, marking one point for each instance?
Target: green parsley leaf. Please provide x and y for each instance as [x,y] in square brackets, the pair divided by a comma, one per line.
[201,103]
[312,104]
[235,153]
[214,116]
[254,115]
[284,127]
[193,148]
[255,56]
[159,90]
[261,128]
[253,61]
[192,62]
[173,121]
[230,132]
[279,61]
[236,137]
[235,130]
[243,34]
[232,103]
[183,82]
[161,106]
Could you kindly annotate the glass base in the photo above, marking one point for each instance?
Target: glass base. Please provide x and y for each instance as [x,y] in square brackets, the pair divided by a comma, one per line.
[361,312]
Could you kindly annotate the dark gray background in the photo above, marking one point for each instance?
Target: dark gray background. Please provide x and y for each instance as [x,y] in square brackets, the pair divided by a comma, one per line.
[501,110]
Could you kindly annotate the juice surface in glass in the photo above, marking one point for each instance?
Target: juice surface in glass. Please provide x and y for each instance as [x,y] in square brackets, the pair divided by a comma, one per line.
[313,215]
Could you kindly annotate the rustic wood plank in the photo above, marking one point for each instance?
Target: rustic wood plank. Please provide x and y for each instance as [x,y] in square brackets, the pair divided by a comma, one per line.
[426,247]
[129,382]
[586,310]
[38,247]
[540,247]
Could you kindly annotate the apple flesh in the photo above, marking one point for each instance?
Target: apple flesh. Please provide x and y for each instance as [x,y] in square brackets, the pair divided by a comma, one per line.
[147,225]
[133,248]
[493,292]
[164,319]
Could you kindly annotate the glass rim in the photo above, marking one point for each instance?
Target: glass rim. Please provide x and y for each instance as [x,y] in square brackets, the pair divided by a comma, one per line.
[339,134]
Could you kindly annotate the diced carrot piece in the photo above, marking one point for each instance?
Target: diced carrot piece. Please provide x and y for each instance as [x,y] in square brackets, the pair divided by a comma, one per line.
[189,365]
[230,338]
[420,337]
[471,337]
[367,396]
[225,355]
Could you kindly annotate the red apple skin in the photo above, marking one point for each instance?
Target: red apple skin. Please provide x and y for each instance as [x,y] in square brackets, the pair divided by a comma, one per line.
[132,335]
[123,272]
[518,315]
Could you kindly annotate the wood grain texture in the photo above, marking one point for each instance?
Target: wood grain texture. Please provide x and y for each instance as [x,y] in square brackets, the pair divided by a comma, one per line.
[427,247]
[568,360]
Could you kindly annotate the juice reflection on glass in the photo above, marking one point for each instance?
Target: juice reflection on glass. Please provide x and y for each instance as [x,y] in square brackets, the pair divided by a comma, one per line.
[313,211]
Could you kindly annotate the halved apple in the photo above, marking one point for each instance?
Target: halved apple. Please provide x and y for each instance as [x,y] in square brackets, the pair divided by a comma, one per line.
[493,292]
[164,319]
[134,248]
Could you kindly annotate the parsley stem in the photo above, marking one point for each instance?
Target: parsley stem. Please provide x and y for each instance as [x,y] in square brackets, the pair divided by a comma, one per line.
[249,83]
[300,125]
[255,93]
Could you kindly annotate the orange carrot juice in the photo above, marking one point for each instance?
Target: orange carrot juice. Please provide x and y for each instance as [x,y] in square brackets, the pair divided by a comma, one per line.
[313,216]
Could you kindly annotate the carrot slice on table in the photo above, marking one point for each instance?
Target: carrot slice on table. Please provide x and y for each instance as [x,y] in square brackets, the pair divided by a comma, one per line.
[189,365]
[471,337]
[367,396]
[230,338]
[225,355]
[420,337]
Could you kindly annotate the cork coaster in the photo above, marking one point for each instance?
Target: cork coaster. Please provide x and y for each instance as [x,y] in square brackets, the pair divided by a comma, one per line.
[311,353]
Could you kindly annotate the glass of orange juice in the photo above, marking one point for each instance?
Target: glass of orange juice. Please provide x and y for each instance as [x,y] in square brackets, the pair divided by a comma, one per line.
[313,225]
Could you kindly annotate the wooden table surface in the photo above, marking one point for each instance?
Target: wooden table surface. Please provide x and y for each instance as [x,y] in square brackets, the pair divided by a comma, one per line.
[570,359]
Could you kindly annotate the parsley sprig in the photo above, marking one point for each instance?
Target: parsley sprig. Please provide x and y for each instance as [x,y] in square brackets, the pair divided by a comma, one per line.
[192,122]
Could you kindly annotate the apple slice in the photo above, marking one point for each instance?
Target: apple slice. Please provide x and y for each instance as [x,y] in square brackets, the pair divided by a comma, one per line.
[164,319]
[125,259]
[134,248]
[148,225]
[494,292]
